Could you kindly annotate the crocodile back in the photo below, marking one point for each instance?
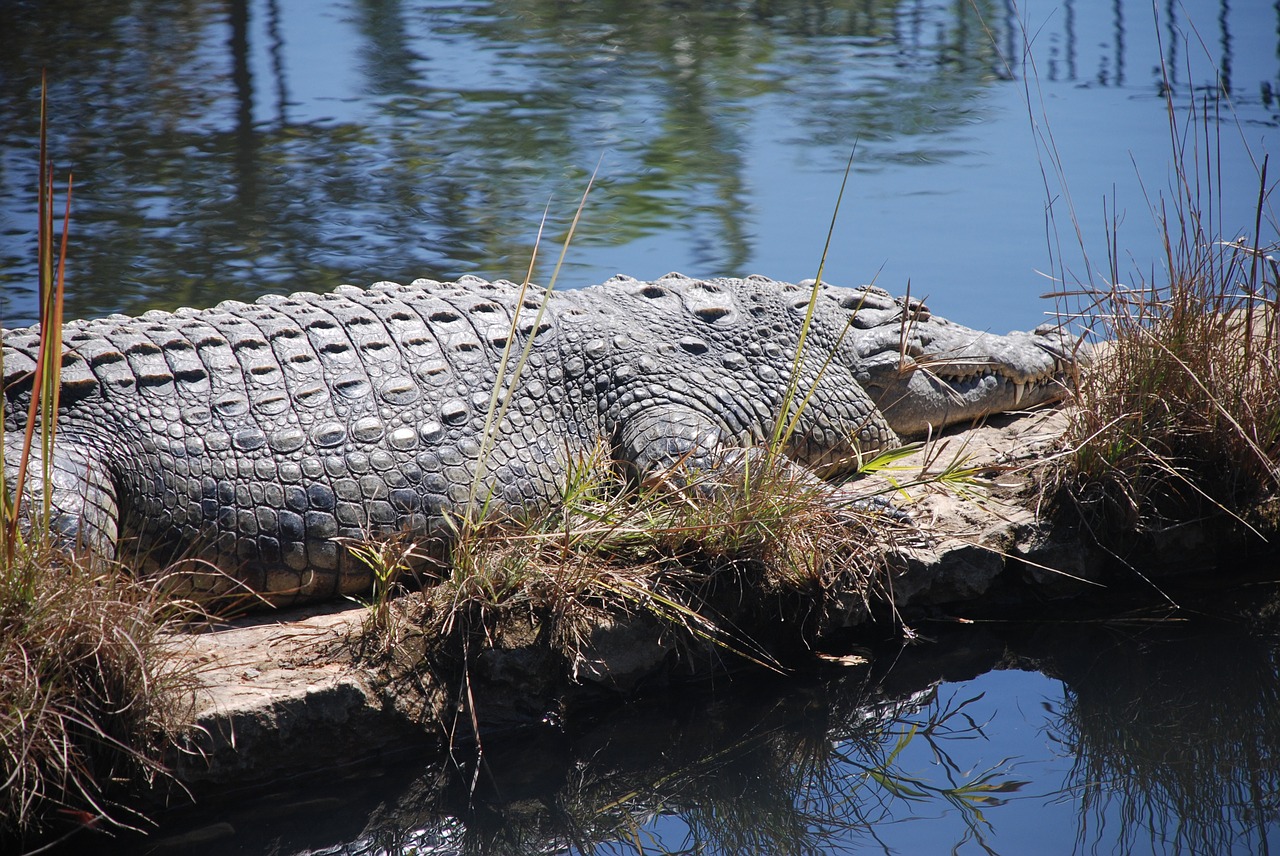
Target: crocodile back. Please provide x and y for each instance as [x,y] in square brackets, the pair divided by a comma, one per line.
[250,435]
[253,435]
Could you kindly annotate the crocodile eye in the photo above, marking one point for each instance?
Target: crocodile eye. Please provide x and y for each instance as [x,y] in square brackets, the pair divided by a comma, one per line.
[918,311]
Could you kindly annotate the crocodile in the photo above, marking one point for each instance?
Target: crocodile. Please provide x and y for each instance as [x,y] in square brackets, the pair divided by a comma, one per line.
[257,436]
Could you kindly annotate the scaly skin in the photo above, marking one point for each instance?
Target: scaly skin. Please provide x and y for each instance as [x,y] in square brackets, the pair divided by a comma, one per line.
[251,435]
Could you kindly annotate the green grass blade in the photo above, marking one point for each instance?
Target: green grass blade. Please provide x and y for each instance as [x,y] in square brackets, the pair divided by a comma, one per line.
[785,418]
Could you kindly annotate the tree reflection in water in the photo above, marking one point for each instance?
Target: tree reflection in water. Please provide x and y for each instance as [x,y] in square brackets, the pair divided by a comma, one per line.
[213,165]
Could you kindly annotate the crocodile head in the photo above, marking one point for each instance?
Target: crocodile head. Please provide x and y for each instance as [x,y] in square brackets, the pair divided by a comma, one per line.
[925,373]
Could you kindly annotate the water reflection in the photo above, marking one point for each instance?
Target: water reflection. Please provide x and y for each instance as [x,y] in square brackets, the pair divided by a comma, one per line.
[1118,11]
[1161,737]
[1175,741]
[246,140]
[793,768]
[214,162]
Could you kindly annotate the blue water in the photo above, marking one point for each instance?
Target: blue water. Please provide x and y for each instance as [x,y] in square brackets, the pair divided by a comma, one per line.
[1151,732]
[362,141]
[230,149]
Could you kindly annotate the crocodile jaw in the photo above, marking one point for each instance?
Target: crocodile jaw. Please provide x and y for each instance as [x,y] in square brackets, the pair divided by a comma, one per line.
[924,401]
[985,375]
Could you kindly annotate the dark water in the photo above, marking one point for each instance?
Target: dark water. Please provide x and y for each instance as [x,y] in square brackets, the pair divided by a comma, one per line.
[228,149]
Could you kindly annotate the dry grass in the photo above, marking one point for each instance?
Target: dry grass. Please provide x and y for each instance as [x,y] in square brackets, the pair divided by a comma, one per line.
[89,697]
[1178,418]
[1192,425]
[711,564]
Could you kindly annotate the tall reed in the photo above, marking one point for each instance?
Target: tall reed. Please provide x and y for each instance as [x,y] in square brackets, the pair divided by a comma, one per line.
[1179,417]
[90,696]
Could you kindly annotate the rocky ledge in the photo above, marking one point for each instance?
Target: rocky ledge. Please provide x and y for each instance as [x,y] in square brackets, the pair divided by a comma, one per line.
[284,693]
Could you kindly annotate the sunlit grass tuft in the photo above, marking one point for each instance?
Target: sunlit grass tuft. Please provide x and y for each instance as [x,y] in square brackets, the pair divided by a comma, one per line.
[746,564]
[1178,418]
[90,696]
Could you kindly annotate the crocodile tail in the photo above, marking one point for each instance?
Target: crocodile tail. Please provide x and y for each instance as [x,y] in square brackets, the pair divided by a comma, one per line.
[83,511]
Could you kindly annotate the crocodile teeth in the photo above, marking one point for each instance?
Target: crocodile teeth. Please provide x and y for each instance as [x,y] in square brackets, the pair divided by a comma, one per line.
[1019,389]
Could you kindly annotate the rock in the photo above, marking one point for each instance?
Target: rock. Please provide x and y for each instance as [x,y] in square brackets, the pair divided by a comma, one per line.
[621,654]
[280,694]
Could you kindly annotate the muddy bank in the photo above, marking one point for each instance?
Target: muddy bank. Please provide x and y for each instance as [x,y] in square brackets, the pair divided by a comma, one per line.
[285,693]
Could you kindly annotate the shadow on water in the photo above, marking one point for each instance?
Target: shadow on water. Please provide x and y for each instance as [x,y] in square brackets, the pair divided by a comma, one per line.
[1160,737]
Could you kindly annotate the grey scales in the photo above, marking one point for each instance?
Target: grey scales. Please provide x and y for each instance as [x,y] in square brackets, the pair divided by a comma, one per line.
[255,436]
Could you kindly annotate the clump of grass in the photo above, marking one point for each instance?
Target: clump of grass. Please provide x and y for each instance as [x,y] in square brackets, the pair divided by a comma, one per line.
[717,567]
[390,560]
[1178,418]
[89,696]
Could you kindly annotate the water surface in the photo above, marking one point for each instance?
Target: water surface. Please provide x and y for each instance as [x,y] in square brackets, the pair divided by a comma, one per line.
[1151,732]
[230,149]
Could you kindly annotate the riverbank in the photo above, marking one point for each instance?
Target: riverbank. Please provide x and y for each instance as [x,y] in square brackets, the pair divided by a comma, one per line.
[288,693]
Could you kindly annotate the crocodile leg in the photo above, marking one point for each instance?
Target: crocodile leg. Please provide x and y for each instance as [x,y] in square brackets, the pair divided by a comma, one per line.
[678,446]
[84,514]
[665,440]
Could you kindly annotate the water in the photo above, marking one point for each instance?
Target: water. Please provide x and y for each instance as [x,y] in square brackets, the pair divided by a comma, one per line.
[230,149]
